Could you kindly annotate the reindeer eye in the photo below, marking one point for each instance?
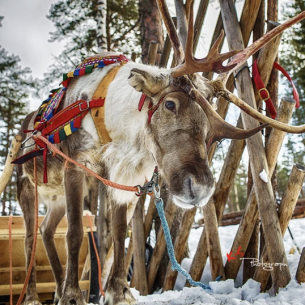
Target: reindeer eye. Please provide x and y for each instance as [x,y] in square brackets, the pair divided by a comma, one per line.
[170,105]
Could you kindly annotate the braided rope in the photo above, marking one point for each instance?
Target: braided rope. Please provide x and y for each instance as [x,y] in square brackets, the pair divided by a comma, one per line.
[170,248]
[105,181]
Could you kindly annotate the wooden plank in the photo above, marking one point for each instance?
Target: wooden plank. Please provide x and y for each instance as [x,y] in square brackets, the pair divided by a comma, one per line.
[41,287]
[18,223]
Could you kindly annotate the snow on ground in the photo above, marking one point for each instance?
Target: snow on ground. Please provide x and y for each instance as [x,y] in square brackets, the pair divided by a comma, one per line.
[224,292]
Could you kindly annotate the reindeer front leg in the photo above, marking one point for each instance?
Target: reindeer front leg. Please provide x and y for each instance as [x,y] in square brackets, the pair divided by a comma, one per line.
[74,180]
[118,290]
[25,195]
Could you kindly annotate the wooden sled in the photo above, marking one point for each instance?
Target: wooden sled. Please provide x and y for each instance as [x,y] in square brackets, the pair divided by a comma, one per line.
[88,271]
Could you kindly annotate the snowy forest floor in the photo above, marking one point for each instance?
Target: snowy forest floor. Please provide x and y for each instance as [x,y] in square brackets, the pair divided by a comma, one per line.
[224,292]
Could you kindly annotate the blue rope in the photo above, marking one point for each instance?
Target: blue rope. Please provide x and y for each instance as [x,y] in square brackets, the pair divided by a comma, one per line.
[170,248]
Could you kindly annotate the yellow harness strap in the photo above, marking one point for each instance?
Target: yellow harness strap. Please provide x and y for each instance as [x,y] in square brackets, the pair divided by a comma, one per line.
[98,113]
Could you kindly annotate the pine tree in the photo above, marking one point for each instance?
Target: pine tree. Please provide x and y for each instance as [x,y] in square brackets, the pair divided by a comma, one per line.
[15,85]
[77,22]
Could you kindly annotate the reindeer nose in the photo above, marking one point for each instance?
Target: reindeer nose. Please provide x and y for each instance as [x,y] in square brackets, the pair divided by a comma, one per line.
[189,186]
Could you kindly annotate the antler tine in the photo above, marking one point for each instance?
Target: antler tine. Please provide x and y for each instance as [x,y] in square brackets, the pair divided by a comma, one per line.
[260,117]
[171,30]
[212,62]
[220,129]
[242,57]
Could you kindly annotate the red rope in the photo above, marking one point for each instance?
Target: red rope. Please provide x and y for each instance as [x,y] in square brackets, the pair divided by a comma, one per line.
[97,258]
[35,238]
[11,257]
[105,181]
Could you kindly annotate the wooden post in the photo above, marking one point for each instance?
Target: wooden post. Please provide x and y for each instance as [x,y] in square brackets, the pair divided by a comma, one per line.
[152,53]
[286,209]
[179,247]
[251,212]
[252,249]
[257,156]
[133,56]
[300,275]
[165,53]
[199,22]
[160,246]
[139,278]
[247,22]
[213,242]
[147,227]
[9,167]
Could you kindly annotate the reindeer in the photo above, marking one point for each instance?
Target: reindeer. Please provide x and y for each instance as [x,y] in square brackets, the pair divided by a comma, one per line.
[183,127]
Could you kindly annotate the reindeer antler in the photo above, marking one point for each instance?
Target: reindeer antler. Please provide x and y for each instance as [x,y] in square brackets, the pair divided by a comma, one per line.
[238,61]
[188,64]
[212,62]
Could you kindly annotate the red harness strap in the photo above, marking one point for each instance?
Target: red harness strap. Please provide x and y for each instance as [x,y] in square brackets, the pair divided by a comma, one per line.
[76,110]
[61,118]
[263,92]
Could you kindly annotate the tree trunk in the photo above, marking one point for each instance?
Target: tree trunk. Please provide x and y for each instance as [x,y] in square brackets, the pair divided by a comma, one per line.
[101,26]
[150,27]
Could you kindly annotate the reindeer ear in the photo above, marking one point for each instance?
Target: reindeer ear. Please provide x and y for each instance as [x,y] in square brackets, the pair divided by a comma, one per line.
[147,82]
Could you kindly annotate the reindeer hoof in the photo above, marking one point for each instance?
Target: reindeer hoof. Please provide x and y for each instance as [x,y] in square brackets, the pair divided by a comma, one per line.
[72,297]
[118,294]
[32,302]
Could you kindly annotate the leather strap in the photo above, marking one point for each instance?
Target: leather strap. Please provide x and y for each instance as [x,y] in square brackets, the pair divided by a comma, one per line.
[263,92]
[70,112]
[98,113]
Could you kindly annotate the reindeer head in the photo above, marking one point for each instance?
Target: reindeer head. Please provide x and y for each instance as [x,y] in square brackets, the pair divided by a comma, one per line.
[185,124]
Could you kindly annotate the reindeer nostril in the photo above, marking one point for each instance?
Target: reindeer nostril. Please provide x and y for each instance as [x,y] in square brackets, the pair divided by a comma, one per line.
[191,187]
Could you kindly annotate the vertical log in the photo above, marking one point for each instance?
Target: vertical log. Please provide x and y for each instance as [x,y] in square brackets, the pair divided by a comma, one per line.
[252,249]
[257,156]
[149,217]
[300,275]
[286,209]
[165,53]
[199,22]
[152,53]
[133,56]
[251,211]
[181,21]
[139,278]
[236,148]
[213,242]
[150,27]
[179,247]
[160,246]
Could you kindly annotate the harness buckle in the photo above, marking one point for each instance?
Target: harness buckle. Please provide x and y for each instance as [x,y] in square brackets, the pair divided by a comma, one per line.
[80,106]
[266,91]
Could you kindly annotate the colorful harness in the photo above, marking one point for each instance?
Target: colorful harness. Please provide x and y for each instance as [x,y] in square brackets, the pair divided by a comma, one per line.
[57,126]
